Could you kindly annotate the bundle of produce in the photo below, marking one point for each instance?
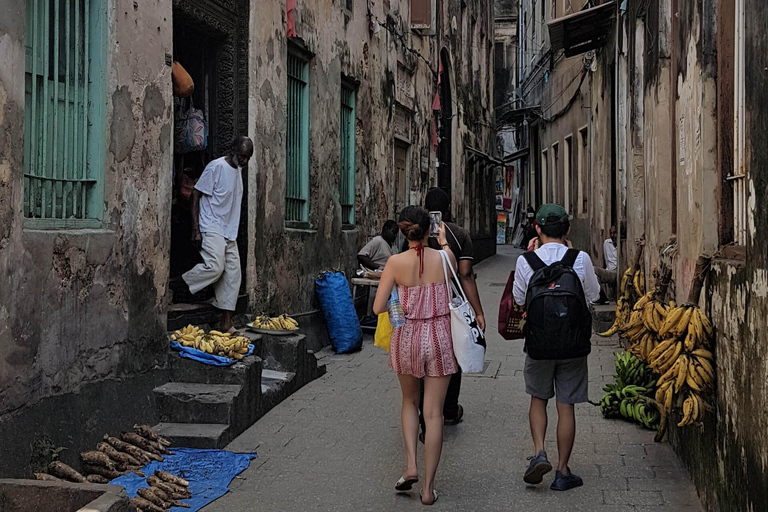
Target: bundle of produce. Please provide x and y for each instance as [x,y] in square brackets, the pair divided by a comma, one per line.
[683,359]
[629,396]
[648,315]
[278,323]
[164,491]
[632,284]
[214,342]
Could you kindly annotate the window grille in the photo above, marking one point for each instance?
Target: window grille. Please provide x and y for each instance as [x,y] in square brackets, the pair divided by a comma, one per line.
[347,154]
[63,112]
[297,141]
[737,179]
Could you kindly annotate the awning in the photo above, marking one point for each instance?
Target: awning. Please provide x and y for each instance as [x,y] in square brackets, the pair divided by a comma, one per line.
[517,155]
[582,31]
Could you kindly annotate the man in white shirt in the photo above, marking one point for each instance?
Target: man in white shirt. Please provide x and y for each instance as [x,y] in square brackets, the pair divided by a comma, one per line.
[607,276]
[569,377]
[215,205]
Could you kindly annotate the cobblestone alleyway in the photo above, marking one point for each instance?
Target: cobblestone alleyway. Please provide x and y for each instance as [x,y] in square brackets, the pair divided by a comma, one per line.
[336,445]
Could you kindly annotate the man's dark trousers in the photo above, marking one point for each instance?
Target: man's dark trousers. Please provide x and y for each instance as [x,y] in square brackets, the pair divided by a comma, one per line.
[451,406]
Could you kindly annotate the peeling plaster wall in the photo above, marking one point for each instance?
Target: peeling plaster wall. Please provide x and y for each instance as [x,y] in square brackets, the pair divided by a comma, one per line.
[81,306]
[727,457]
[287,261]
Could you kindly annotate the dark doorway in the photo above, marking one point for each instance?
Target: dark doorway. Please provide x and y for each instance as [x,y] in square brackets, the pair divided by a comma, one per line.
[445,145]
[211,43]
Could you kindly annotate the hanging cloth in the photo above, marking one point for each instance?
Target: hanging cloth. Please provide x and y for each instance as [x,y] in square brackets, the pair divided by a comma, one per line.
[290,10]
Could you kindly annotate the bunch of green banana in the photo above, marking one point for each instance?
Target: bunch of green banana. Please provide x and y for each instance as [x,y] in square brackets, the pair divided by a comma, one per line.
[632,371]
[630,403]
[279,323]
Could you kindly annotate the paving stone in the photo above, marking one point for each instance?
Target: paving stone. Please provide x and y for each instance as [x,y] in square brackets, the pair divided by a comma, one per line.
[646,498]
[336,444]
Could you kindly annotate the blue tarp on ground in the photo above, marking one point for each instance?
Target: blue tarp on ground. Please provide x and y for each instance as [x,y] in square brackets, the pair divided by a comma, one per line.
[205,357]
[209,473]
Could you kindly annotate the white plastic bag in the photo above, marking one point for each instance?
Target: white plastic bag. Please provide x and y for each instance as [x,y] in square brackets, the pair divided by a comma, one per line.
[468,338]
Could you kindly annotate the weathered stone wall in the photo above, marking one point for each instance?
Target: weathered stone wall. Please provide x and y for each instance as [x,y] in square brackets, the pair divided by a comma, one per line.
[80,306]
[395,70]
[685,168]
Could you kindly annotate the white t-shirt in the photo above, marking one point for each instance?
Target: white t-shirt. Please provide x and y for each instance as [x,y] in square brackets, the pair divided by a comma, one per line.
[609,252]
[550,253]
[222,188]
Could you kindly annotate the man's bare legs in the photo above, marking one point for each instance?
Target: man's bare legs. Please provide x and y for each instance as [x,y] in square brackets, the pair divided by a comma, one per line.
[537,416]
[566,434]
[226,321]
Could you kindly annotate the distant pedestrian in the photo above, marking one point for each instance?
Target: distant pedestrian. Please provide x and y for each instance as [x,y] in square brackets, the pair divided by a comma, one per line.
[422,347]
[607,276]
[554,282]
[460,242]
[215,205]
[374,255]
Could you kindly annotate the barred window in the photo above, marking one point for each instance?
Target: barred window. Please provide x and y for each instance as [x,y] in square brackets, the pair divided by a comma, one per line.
[347,196]
[64,113]
[297,140]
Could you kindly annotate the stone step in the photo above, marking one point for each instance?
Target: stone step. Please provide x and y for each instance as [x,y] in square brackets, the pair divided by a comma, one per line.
[194,435]
[183,402]
[603,316]
[273,381]
[241,373]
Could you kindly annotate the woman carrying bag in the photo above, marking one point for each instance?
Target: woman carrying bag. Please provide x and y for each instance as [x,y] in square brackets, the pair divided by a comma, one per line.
[422,347]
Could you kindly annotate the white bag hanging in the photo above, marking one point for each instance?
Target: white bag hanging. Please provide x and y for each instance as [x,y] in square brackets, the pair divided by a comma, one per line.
[468,339]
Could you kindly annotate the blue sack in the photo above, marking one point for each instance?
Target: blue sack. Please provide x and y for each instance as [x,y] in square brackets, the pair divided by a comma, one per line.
[339,312]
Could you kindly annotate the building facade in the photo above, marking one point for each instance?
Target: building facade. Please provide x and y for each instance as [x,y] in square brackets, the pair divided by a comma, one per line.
[355,109]
[673,99]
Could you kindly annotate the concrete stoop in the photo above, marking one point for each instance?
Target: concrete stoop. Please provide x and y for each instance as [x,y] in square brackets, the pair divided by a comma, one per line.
[208,406]
[603,316]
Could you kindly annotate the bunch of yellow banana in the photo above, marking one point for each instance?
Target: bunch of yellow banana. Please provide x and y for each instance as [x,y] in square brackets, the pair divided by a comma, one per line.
[630,282]
[690,324]
[693,409]
[189,335]
[279,323]
[223,344]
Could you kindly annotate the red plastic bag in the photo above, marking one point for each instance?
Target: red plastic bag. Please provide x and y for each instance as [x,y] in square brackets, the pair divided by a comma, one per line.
[511,315]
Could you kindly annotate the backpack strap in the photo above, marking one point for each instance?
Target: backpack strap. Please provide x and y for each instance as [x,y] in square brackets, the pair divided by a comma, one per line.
[533,260]
[569,259]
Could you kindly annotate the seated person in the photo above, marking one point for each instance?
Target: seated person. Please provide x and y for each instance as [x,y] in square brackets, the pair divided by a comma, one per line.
[607,276]
[376,252]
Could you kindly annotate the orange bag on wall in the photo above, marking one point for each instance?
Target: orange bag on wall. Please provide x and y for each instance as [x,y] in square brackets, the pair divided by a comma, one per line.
[183,85]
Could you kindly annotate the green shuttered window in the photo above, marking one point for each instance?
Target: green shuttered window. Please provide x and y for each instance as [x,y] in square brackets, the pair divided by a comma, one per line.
[347,197]
[297,141]
[63,117]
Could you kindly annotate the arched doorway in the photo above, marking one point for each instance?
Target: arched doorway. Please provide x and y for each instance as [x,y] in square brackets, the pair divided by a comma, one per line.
[445,144]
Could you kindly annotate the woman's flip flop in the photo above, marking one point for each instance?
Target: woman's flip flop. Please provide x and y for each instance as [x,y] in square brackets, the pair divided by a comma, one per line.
[434,495]
[405,485]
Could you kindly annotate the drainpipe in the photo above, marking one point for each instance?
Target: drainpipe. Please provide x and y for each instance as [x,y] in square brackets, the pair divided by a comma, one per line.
[615,99]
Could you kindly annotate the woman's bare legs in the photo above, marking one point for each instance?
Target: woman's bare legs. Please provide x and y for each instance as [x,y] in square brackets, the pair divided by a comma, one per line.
[410,418]
[435,389]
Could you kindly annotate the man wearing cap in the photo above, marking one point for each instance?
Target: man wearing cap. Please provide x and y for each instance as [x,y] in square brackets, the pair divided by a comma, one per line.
[568,376]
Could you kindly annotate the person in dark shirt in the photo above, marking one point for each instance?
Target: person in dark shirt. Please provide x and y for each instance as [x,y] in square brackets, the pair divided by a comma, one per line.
[460,243]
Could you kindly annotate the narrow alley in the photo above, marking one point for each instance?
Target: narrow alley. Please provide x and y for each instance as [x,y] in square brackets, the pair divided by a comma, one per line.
[336,443]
